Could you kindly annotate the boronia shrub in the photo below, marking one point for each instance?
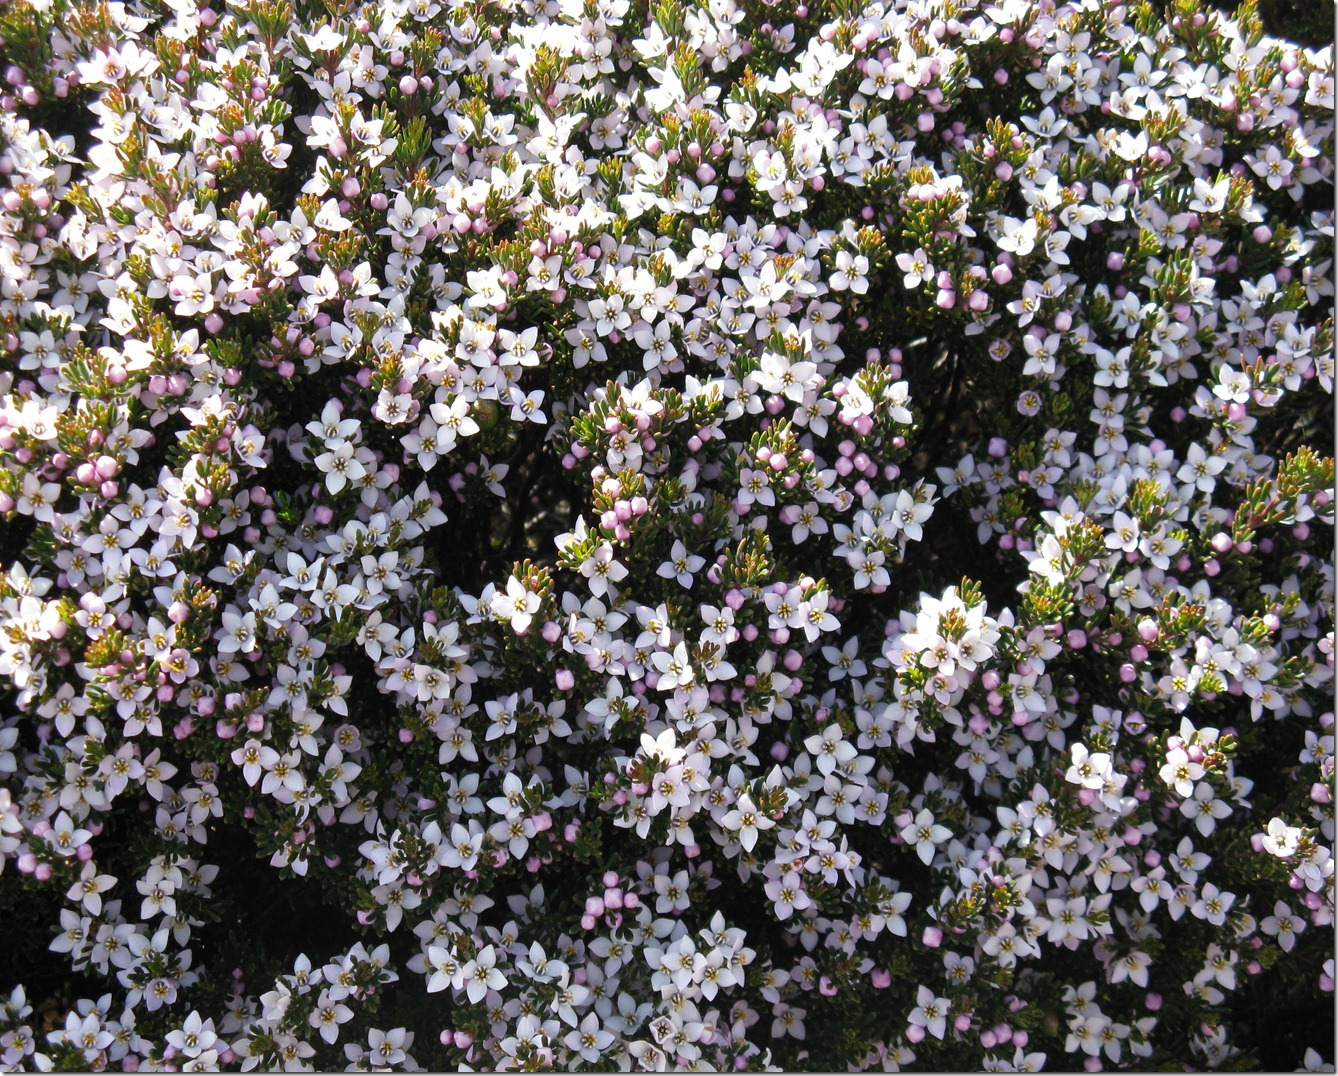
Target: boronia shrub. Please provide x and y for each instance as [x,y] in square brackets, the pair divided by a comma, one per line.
[602,534]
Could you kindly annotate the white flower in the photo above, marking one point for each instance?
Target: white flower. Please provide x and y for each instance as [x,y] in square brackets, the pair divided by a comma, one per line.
[663,747]
[589,1039]
[832,750]
[340,466]
[65,837]
[89,888]
[1281,839]
[924,834]
[852,269]
[909,512]
[930,1012]
[1017,237]
[869,570]
[1088,770]
[516,604]
[328,1015]
[674,667]
[405,219]
[671,894]
[239,632]
[602,570]
[481,974]
[747,821]
[527,406]
[193,295]
[719,625]
[787,894]
[1180,772]
[446,969]
[387,1047]
[463,848]
[1205,808]
[332,427]
[681,565]
[254,757]
[916,266]
[1212,904]
[1283,925]
[815,619]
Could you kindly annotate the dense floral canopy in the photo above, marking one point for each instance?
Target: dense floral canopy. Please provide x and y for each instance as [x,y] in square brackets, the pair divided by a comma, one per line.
[604,534]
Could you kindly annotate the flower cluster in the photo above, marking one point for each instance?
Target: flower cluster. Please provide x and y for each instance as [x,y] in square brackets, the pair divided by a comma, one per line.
[717,534]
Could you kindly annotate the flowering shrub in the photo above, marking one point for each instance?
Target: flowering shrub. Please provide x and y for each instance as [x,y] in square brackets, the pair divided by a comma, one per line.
[690,534]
